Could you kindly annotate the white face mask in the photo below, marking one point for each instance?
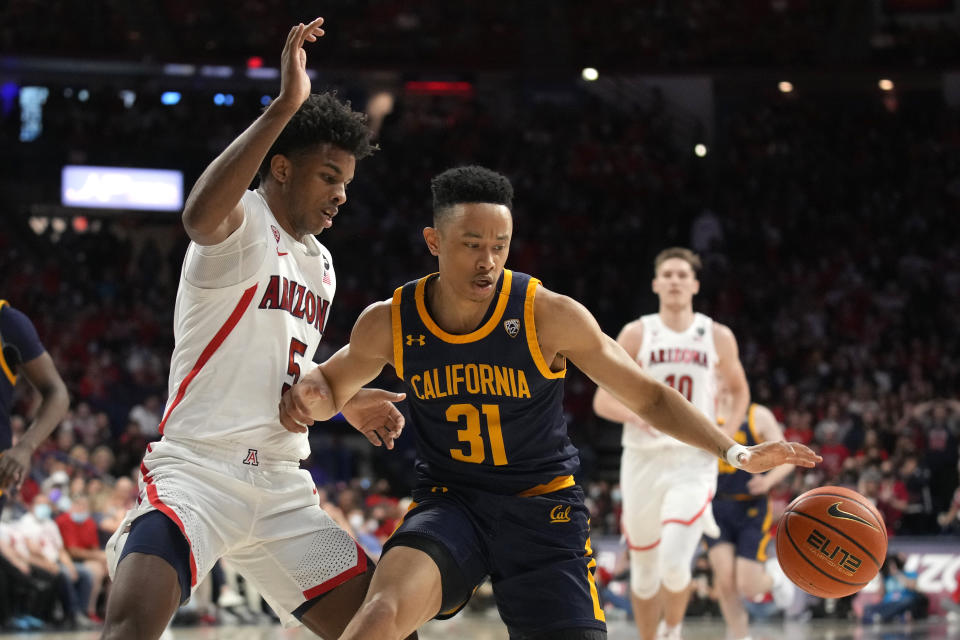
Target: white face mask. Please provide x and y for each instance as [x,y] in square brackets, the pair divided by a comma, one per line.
[42,511]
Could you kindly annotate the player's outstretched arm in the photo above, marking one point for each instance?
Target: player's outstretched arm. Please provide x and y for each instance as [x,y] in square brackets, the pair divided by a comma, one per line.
[565,326]
[337,384]
[604,404]
[213,210]
[731,374]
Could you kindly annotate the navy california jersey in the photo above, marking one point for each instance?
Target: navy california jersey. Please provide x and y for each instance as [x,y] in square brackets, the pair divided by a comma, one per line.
[732,482]
[487,410]
[19,343]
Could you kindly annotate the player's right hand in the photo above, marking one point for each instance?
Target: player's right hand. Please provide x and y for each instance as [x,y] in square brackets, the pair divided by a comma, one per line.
[767,455]
[294,81]
[304,400]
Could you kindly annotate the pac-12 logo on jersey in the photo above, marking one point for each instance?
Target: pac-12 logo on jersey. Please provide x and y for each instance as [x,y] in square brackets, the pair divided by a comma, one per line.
[512,326]
[251,458]
[276,237]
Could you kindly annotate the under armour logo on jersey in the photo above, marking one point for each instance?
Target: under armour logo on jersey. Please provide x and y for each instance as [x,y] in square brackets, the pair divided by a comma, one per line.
[560,513]
[251,458]
[512,326]
[419,340]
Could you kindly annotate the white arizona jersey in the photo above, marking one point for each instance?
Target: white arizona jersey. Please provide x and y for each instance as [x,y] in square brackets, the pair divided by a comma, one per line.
[686,361]
[238,347]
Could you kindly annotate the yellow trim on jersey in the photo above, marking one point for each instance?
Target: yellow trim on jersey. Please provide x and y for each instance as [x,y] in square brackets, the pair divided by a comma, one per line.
[751,425]
[7,371]
[560,482]
[597,609]
[765,540]
[532,342]
[480,333]
[396,321]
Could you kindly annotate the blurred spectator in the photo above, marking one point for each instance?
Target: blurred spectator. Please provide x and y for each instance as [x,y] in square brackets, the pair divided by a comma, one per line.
[147,416]
[80,537]
[899,594]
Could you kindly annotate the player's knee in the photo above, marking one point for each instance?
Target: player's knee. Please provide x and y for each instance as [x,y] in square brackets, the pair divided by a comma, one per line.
[644,574]
[676,576]
[724,582]
[747,587]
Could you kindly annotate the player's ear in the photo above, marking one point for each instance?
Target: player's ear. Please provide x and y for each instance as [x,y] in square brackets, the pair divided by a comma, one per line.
[696,285]
[432,237]
[280,167]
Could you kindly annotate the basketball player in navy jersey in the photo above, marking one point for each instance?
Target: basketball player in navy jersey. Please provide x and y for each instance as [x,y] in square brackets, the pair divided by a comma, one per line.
[22,353]
[482,352]
[741,567]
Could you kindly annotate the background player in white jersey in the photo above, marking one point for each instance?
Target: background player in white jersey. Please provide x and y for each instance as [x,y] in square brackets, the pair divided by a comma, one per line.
[741,566]
[251,307]
[667,485]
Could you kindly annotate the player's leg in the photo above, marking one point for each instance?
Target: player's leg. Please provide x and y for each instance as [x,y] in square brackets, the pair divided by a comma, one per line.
[723,561]
[642,488]
[682,527]
[406,592]
[152,579]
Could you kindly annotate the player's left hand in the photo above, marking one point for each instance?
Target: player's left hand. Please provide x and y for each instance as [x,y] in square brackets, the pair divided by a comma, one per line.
[372,412]
[14,465]
[767,455]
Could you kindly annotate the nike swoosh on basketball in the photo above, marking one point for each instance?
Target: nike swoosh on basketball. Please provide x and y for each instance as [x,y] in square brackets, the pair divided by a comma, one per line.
[835,511]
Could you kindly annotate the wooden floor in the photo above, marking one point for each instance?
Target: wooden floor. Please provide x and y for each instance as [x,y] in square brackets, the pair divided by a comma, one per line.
[480,627]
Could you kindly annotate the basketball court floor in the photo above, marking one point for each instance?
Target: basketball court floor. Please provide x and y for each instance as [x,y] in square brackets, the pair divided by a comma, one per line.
[473,626]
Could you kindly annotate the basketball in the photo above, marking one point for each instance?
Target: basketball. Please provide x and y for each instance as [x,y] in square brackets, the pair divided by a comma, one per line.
[831,541]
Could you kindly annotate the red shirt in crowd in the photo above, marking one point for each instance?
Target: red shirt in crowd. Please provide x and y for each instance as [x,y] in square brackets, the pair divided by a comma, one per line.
[82,535]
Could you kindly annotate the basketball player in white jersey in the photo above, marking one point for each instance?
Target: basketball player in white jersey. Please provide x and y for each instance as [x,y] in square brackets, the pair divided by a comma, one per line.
[667,485]
[254,296]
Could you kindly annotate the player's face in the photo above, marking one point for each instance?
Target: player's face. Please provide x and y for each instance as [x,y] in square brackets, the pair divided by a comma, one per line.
[472,243]
[676,283]
[318,186]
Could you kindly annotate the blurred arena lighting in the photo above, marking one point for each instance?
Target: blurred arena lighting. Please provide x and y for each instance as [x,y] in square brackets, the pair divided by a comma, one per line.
[265,100]
[439,88]
[218,99]
[254,62]
[700,149]
[179,69]
[80,224]
[885,84]
[263,73]
[121,188]
[589,74]
[83,95]
[216,71]
[129,97]
[68,92]
[785,86]
[8,95]
[59,225]
[32,100]
[170,97]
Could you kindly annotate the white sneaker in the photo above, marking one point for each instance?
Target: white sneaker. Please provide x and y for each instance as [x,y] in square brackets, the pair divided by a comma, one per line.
[667,633]
[783,589]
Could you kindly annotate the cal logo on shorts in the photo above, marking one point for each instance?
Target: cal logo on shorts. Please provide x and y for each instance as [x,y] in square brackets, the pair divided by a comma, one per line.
[560,513]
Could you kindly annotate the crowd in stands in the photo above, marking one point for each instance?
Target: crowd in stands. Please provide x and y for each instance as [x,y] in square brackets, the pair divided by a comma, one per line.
[822,223]
[471,34]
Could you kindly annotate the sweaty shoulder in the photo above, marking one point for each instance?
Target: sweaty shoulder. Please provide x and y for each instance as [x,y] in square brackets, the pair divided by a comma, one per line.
[722,332]
[562,323]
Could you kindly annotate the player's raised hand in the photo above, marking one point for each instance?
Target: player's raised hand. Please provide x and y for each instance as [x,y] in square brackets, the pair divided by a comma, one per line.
[372,412]
[294,81]
[303,400]
[767,455]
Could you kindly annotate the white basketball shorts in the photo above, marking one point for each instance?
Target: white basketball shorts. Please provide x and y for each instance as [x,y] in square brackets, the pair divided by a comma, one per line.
[660,487]
[263,515]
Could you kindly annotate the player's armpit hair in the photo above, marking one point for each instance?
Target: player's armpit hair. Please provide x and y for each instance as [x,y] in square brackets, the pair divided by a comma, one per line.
[323,118]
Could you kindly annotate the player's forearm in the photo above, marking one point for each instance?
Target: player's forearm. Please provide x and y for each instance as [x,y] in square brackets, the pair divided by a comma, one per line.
[609,408]
[775,475]
[739,405]
[671,413]
[52,408]
[224,181]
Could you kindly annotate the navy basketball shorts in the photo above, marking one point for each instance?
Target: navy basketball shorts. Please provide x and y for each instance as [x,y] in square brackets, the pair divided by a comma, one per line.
[745,524]
[535,549]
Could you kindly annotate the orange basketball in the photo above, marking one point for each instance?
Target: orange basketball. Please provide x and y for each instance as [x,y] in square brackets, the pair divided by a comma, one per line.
[831,541]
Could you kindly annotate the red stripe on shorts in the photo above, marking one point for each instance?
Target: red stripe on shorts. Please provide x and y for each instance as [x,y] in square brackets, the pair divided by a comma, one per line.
[211,348]
[158,504]
[336,581]
[689,522]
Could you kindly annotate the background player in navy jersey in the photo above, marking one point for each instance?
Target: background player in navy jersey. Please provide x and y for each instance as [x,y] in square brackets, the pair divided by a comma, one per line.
[741,567]
[482,352]
[22,353]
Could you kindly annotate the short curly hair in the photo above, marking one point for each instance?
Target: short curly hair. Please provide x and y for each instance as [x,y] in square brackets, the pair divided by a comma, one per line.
[469,184]
[322,118]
